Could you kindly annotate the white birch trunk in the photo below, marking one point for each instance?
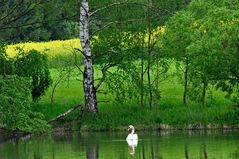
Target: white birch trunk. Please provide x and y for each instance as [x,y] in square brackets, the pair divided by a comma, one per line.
[88,77]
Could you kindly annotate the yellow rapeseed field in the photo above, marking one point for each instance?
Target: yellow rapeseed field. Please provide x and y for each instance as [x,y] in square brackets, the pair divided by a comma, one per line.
[52,48]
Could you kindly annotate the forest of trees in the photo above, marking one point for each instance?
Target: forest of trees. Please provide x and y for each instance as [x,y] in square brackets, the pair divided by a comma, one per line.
[134,44]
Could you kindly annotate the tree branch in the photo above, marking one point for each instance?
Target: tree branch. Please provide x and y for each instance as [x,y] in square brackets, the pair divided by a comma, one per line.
[35,23]
[104,101]
[65,113]
[80,51]
[115,22]
[23,13]
[104,70]
[12,10]
[115,4]
[61,76]
[75,62]
[79,68]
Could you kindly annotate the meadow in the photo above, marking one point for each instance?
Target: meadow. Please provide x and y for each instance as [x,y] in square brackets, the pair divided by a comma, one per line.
[113,114]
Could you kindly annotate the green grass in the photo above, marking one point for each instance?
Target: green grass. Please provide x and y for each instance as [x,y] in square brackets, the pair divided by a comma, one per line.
[114,116]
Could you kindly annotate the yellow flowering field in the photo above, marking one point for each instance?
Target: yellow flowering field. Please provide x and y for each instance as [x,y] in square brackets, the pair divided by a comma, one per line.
[52,48]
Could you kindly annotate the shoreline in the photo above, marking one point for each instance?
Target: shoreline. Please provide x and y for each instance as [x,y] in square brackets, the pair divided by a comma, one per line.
[158,127]
[6,135]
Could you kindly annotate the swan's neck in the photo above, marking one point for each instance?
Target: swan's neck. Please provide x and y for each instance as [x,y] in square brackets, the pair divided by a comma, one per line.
[132,132]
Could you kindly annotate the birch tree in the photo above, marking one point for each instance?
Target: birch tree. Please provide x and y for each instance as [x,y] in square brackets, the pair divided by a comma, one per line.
[85,39]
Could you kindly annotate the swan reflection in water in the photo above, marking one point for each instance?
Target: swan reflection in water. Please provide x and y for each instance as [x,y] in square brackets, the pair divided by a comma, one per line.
[132,146]
[132,140]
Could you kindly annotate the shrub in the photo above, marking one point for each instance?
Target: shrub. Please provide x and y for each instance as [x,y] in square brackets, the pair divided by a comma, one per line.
[34,64]
[15,106]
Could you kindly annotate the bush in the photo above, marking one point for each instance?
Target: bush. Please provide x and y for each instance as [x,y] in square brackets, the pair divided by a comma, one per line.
[15,106]
[34,64]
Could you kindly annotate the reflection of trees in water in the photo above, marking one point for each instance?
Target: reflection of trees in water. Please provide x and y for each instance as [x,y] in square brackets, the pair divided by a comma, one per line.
[143,150]
[92,151]
[155,151]
[37,152]
[152,153]
[53,151]
[205,156]
[186,151]
[205,151]
[234,155]
[37,156]
[158,147]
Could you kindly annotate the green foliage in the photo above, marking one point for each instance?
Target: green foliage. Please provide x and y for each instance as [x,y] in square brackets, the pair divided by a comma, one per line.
[15,106]
[205,33]
[34,64]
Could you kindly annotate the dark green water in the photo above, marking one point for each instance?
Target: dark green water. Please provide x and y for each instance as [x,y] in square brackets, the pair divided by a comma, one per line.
[161,145]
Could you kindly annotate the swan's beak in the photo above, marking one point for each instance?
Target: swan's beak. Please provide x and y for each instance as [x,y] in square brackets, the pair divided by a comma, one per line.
[129,129]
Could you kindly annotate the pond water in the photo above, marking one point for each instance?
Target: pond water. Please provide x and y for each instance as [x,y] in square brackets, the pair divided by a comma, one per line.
[155,145]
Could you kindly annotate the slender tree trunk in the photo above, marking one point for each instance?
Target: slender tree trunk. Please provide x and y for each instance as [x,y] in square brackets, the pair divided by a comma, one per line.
[142,83]
[88,77]
[149,85]
[185,83]
[149,57]
[156,98]
[204,92]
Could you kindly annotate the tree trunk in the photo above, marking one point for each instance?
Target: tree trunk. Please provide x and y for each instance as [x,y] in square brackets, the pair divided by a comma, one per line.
[185,83]
[88,77]
[149,56]
[149,85]
[142,83]
[204,92]
[156,98]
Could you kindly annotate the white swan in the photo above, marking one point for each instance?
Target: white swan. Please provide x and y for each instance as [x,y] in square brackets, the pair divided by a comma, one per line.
[132,135]
[132,140]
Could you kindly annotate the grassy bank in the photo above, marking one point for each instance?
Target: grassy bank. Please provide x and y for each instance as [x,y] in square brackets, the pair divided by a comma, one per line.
[118,118]
[114,115]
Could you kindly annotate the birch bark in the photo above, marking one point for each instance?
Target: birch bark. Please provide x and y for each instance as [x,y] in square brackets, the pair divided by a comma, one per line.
[88,77]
